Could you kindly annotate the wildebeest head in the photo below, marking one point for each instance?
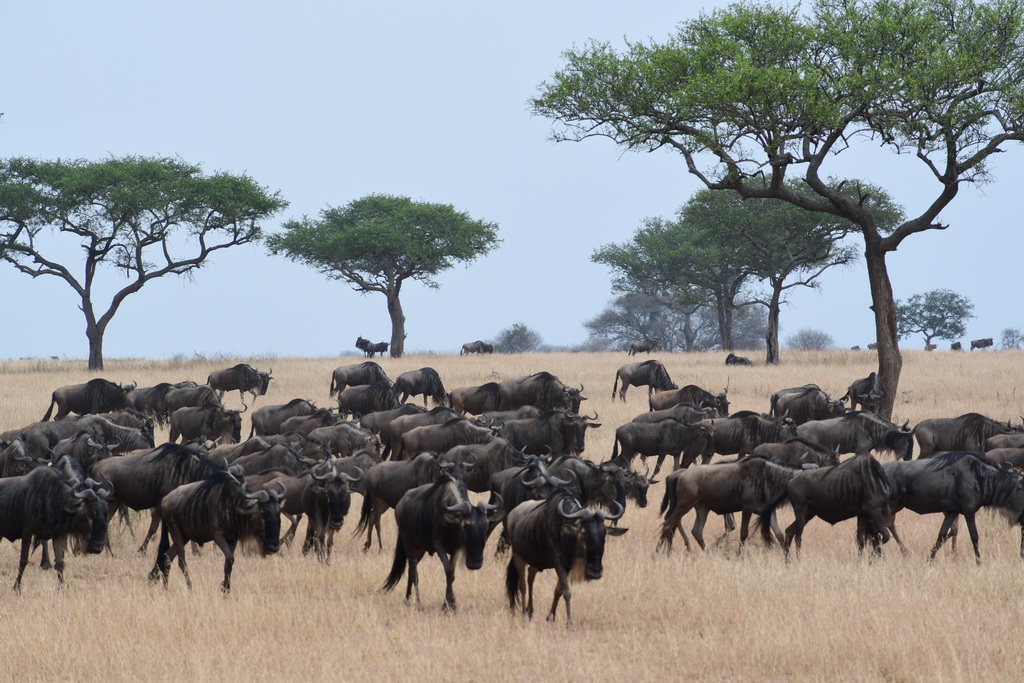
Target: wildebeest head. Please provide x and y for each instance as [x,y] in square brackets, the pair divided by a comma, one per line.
[585,529]
[267,505]
[473,523]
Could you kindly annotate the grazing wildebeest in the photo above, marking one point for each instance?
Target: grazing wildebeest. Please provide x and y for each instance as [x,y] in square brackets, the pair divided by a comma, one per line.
[751,486]
[1004,441]
[553,432]
[425,382]
[650,373]
[681,412]
[95,396]
[541,389]
[867,392]
[741,432]
[684,442]
[367,398]
[981,343]
[207,422]
[969,432]
[45,505]
[268,419]
[557,533]
[242,378]
[377,421]
[438,519]
[366,372]
[646,346]
[805,403]
[391,435]
[733,359]
[438,438]
[476,347]
[692,395]
[859,432]
[956,346]
[798,451]
[484,460]
[219,509]
[955,483]
[476,399]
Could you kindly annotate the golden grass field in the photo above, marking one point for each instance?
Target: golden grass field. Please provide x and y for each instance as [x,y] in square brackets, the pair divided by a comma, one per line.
[830,615]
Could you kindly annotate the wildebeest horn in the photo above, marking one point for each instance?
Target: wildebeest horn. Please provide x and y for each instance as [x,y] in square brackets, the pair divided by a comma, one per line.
[488,508]
[563,482]
[85,493]
[346,477]
[601,514]
[582,513]
[329,474]
[89,441]
[91,483]
[533,482]
[245,407]
[462,507]
[23,458]
[284,489]
[905,425]
[261,496]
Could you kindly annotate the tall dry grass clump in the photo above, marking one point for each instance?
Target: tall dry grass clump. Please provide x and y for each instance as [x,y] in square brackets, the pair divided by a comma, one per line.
[829,615]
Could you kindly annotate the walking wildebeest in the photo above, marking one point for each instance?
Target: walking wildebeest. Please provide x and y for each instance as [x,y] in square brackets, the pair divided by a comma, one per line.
[733,359]
[42,436]
[684,442]
[344,438]
[152,401]
[740,433]
[182,397]
[268,419]
[798,451]
[95,396]
[969,432]
[477,346]
[475,400]
[242,378]
[867,392]
[859,432]
[981,343]
[438,519]
[554,432]
[557,533]
[603,484]
[692,395]
[541,389]
[646,346]
[366,372]
[805,403]
[650,373]
[425,382]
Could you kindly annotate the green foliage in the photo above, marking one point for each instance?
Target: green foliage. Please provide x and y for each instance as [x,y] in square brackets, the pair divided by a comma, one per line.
[938,314]
[517,339]
[809,339]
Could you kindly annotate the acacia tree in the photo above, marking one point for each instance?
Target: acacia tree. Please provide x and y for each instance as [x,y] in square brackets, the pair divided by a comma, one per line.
[142,218]
[754,95]
[378,242]
[938,314]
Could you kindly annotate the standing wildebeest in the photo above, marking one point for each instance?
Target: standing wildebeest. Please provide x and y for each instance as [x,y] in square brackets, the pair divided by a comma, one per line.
[741,432]
[152,401]
[554,431]
[752,486]
[45,505]
[366,346]
[969,432]
[805,403]
[268,419]
[344,438]
[484,460]
[733,359]
[541,389]
[241,378]
[391,435]
[981,343]
[211,422]
[859,432]
[867,392]
[42,436]
[496,418]
[377,421]
[955,483]
[476,347]
[692,395]
[15,460]
[367,398]
[603,484]
[475,400]
[424,381]
[95,396]
[557,533]
[183,397]
[684,442]
[366,372]
[438,438]
[646,346]
[651,373]
[956,346]
[219,509]
[798,451]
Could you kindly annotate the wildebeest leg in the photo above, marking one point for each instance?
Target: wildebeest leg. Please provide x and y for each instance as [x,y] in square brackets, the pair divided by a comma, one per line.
[529,605]
[177,550]
[972,529]
[44,561]
[730,521]
[228,548]
[947,522]
[448,562]
[58,559]
[289,535]
[698,527]
[154,522]
[795,530]
[26,546]
[414,558]
[562,590]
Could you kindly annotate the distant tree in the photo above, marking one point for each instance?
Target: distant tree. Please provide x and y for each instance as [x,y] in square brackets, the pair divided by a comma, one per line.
[142,218]
[1012,338]
[938,314]
[808,339]
[378,242]
[517,339]
[635,316]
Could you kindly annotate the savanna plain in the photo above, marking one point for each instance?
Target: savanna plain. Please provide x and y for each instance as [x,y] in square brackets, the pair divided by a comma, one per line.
[721,615]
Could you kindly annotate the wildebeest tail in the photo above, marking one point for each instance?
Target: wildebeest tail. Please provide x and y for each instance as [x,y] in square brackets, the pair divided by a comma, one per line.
[668,501]
[615,385]
[49,411]
[397,567]
[364,514]
[512,583]
[334,386]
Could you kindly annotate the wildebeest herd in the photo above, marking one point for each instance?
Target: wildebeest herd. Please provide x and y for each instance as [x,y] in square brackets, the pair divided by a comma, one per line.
[506,458]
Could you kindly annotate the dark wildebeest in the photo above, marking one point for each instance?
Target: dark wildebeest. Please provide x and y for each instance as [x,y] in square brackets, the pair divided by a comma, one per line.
[741,432]
[344,439]
[867,392]
[955,483]
[151,401]
[805,403]
[321,417]
[682,412]
[439,438]
[751,486]
[211,422]
[268,419]
[531,481]
[1003,457]
[219,509]
[84,448]
[42,436]
[650,373]
[367,398]
[376,422]
[242,378]
[366,372]
[603,484]
[425,382]
[554,432]
[45,505]
[692,395]
[496,418]
[379,347]
[733,359]
[859,432]
[557,533]
[95,396]
[1004,441]
[15,460]
[366,346]
[684,442]
[438,519]
[969,432]
[956,346]
[184,397]
[873,346]
[646,346]
[476,347]
[798,451]
[475,400]
[484,460]
[541,389]
[391,435]
[278,455]
[981,343]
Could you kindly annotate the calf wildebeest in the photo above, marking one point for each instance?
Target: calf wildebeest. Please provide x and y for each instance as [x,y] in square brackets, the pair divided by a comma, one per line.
[1004,441]
[95,396]
[969,432]
[867,392]
[560,534]
[475,400]
[751,486]
[45,505]
[798,451]
[391,435]
[859,432]
[477,346]
[646,346]
[438,438]
[268,419]
[650,373]
[741,432]
[956,346]
[425,382]
[242,378]
[554,432]
[219,509]
[366,372]
[981,343]
[733,359]
[541,389]
[955,483]
[438,519]
[367,398]
[211,422]
[684,442]
[805,403]
[692,395]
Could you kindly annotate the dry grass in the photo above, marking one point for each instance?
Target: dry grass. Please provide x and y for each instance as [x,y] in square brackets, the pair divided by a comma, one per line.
[714,616]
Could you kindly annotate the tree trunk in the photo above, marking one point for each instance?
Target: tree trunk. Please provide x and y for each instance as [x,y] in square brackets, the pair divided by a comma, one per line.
[397,325]
[724,326]
[689,336]
[94,333]
[890,362]
[771,337]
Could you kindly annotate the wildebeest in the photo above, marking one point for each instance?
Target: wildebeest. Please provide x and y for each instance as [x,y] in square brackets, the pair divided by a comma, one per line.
[152,401]
[646,346]
[268,419]
[554,432]
[345,438]
[859,432]
[867,392]
[930,347]
[441,437]
[693,395]
[798,451]
[476,399]
[366,372]
[733,359]
[367,398]
[981,343]
[741,432]
[557,533]
[219,509]
[1003,457]
[969,432]
[15,460]
[242,378]
[278,455]
[476,347]
[603,484]
[391,434]
[956,346]
[956,483]
[496,418]
[682,412]
[483,460]
[211,422]
[377,421]
[805,403]
[438,519]
[95,396]
[182,397]
[425,382]
[45,505]
[873,346]
[1004,441]
[650,373]
[541,389]
[84,448]
[369,348]
[684,442]
[42,436]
